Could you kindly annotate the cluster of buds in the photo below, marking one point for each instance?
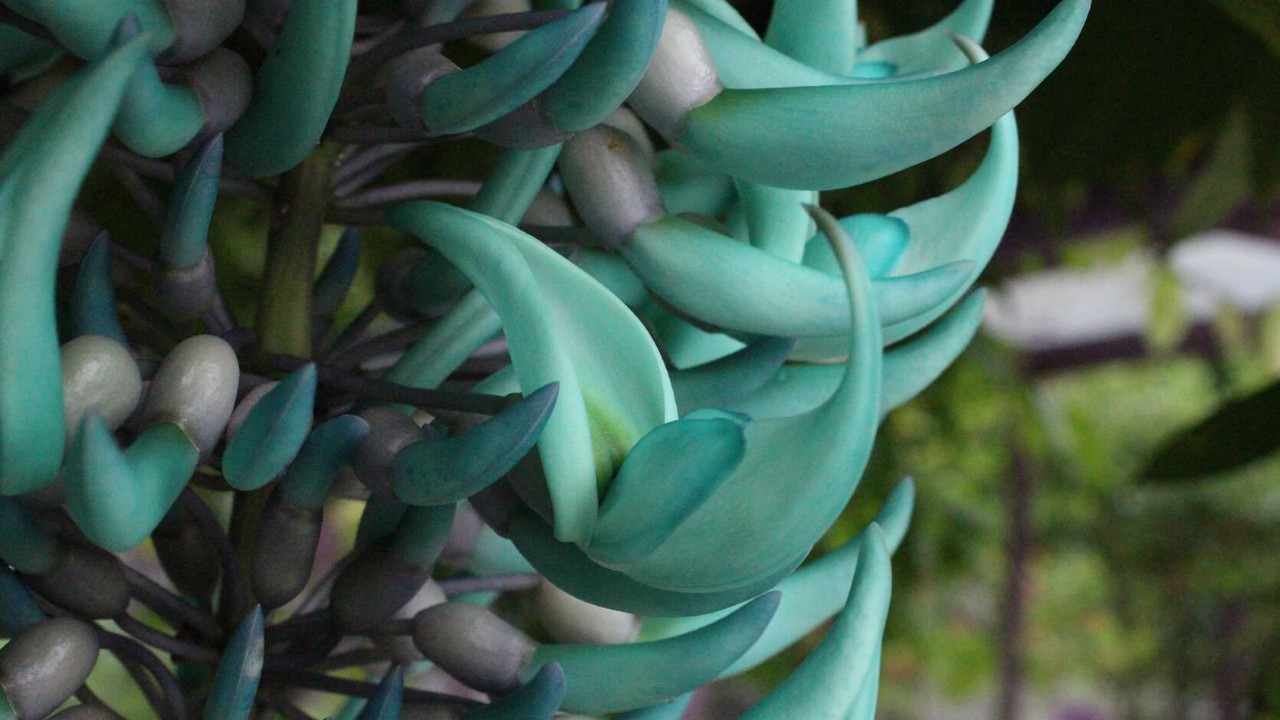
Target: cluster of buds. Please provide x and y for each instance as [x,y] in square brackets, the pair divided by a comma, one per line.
[631,375]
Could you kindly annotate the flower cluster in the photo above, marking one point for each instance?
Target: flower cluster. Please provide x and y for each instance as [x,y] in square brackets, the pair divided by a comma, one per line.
[694,356]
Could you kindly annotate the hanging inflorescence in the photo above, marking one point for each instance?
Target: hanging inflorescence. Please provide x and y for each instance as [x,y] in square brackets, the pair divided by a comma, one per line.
[632,372]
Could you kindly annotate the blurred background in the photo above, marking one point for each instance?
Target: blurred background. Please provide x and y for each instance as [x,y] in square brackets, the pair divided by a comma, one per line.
[1087,546]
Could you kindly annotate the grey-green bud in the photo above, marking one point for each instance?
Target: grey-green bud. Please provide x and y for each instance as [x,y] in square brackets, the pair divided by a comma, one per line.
[44,665]
[474,645]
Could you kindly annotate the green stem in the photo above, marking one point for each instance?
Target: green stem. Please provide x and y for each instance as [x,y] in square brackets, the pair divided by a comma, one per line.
[284,310]
[284,318]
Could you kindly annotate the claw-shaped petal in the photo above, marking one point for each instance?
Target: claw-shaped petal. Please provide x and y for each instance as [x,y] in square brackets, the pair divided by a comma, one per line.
[538,699]
[85,27]
[464,100]
[435,472]
[833,673]
[156,118]
[719,383]
[385,703]
[93,303]
[235,680]
[557,337]
[668,475]
[184,236]
[822,34]
[615,678]
[826,449]
[837,136]
[18,609]
[40,173]
[931,49]
[295,89]
[272,433]
[909,367]
[117,498]
[732,285]
[609,67]
[330,446]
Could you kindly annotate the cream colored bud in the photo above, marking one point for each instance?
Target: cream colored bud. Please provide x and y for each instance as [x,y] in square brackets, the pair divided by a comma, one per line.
[195,389]
[98,374]
[473,645]
[570,620]
[680,78]
[611,183]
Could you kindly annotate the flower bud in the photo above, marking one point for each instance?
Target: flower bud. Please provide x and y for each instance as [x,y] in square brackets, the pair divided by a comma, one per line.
[223,84]
[412,72]
[570,620]
[185,294]
[611,182]
[84,579]
[389,431]
[195,389]
[473,645]
[43,666]
[284,551]
[98,374]
[200,26]
[680,78]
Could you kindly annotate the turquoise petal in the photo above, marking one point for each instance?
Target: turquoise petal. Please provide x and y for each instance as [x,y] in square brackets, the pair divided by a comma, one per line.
[721,10]
[880,239]
[155,119]
[744,62]
[422,533]
[689,186]
[538,699]
[931,49]
[117,498]
[864,705]
[184,237]
[25,545]
[964,224]
[235,681]
[18,609]
[331,286]
[733,377]
[810,595]
[506,195]
[440,471]
[85,27]
[909,368]
[93,302]
[616,678]
[819,33]
[821,454]
[776,220]
[609,67]
[561,326]
[295,89]
[565,565]
[668,475]
[830,137]
[832,674]
[40,173]
[385,703]
[913,365]
[466,99]
[330,445]
[731,285]
[272,433]
[615,275]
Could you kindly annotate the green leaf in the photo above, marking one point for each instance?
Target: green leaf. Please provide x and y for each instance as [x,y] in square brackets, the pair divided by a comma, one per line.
[1240,432]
